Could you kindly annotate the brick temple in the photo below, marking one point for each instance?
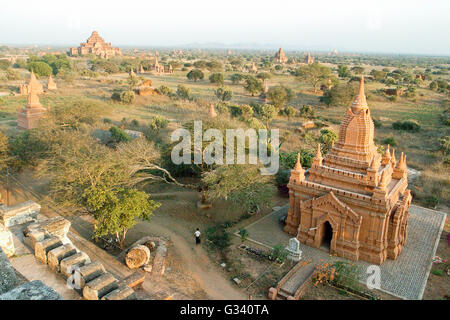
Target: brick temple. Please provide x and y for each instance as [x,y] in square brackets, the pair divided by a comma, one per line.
[96,45]
[280,57]
[354,201]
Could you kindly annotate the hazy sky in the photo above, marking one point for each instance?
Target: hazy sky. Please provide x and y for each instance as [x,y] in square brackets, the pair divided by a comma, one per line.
[395,26]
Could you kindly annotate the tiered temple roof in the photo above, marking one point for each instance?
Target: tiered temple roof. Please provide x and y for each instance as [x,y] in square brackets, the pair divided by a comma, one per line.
[96,45]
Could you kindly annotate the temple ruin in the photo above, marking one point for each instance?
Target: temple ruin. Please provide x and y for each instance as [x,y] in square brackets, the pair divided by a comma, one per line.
[309,59]
[354,201]
[280,57]
[96,45]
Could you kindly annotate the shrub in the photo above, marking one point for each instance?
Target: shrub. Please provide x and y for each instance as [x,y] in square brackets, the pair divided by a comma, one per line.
[118,135]
[216,78]
[127,97]
[377,123]
[158,122]
[437,272]
[431,201]
[218,237]
[183,92]
[164,90]
[244,234]
[278,254]
[256,124]
[12,74]
[390,140]
[41,69]
[307,112]
[408,125]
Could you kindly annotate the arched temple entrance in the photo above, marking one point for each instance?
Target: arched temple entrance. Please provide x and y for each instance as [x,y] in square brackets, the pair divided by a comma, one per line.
[327,236]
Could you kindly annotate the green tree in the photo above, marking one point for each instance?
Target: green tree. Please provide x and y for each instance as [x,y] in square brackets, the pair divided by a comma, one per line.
[340,95]
[279,96]
[236,78]
[357,70]
[41,69]
[223,94]
[253,85]
[195,74]
[343,71]
[242,184]
[183,92]
[127,97]
[244,234]
[313,73]
[268,113]
[216,78]
[327,137]
[116,211]
[264,76]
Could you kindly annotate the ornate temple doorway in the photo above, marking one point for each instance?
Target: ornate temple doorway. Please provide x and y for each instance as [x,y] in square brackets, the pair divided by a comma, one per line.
[327,236]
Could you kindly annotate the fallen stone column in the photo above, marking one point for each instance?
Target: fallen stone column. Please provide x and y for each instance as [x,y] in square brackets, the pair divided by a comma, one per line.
[69,264]
[133,280]
[42,248]
[99,287]
[19,213]
[137,256]
[55,256]
[122,293]
[6,241]
[159,263]
[89,272]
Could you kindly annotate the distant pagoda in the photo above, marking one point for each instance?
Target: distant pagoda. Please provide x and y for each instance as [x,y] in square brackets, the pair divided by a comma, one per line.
[96,45]
[280,57]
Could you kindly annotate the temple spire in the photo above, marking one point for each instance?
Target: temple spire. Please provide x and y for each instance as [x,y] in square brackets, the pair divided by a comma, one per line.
[298,165]
[360,102]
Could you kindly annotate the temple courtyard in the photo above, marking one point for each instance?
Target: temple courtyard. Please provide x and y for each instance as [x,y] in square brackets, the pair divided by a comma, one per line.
[405,277]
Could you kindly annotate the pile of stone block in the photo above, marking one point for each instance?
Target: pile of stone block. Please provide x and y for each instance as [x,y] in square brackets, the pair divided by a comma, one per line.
[51,246]
[15,215]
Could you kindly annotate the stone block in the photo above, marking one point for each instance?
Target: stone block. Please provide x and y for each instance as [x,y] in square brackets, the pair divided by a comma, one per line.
[99,287]
[8,278]
[69,264]
[55,256]
[272,293]
[19,213]
[90,271]
[34,290]
[57,226]
[133,280]
[122,293]
[6,241]
[42,248]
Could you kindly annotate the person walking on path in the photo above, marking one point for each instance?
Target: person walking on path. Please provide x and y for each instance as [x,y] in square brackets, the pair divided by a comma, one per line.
[197,236]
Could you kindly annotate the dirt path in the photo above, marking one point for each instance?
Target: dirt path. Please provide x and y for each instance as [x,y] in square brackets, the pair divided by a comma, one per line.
[195,259]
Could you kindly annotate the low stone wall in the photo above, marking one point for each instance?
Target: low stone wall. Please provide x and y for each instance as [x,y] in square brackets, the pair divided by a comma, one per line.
[8,278]
[19,213]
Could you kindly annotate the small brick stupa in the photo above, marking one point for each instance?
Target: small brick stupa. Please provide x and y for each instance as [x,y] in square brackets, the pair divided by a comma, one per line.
[32,83]
[28,117]
[51,85]
[353,202]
